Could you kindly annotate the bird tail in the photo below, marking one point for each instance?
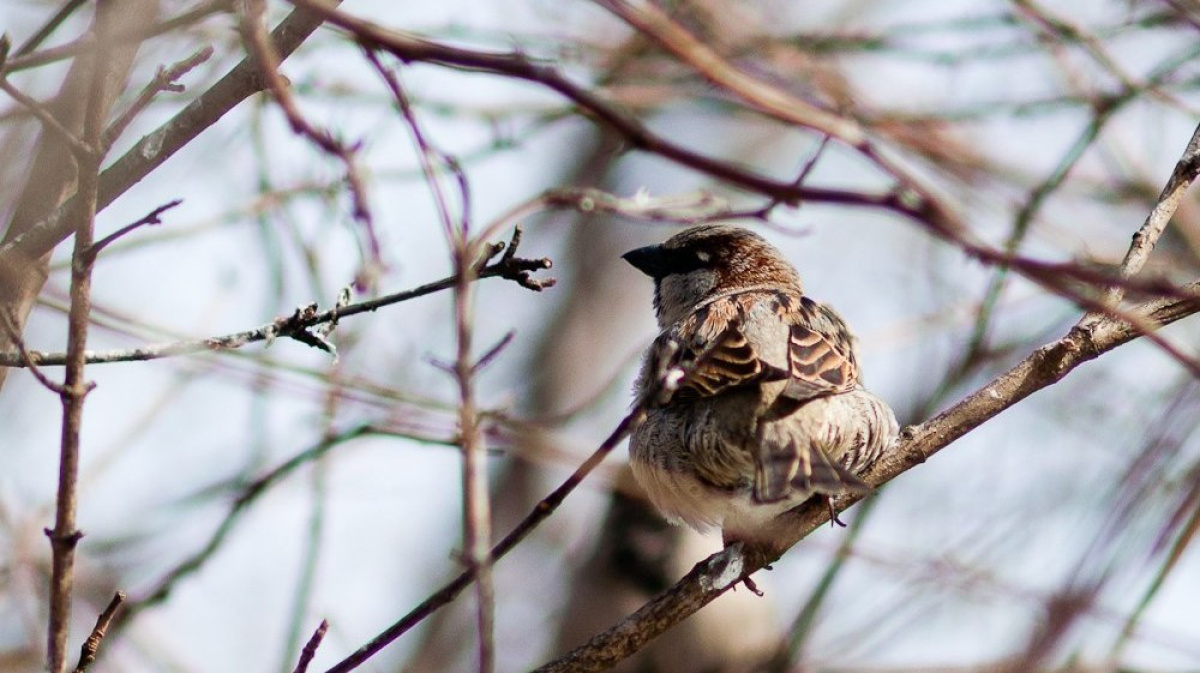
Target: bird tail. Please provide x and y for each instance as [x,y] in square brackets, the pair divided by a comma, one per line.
[800,471]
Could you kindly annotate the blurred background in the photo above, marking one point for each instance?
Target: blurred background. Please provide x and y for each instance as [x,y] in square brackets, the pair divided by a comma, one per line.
[241,497]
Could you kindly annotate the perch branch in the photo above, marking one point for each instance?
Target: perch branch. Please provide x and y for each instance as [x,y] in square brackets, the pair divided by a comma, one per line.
[727,568]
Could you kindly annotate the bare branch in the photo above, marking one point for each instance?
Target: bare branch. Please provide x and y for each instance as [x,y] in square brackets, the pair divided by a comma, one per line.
[164,80]
[91,646]
[544,508]
[1185,173]
[726,569]
[149,219]
[771,100]
[28,359]
[310,648]
[65,536]
[79,148]
[300,324]
[155,148]
[258,43]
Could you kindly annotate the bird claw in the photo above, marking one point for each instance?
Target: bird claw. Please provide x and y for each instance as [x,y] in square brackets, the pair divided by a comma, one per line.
[752,587]
[833,514]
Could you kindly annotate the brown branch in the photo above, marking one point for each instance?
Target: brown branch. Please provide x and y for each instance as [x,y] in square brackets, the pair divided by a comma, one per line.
[28,359]
[1187,169]
[164,80]
[771,100]
[426,153]
[544,508]
[909,199]
[726,569]
[88,45]
[477,514]
[79,149]
[152,150]
[91,646]
[409,48]
[65,536]
[300,324]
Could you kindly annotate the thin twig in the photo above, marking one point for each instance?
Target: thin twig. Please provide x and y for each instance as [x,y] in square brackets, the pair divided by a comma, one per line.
[477,514]
[49,27]
[156,147]
[258,43]
[653,22]
[806,170]
[149,219]
[79,148]
[91,646]
[1022,222]
[164,80]
[541,511]
[246,496]
[27,359]
[299,325]
[426,153]
[310,648]
[1185,173]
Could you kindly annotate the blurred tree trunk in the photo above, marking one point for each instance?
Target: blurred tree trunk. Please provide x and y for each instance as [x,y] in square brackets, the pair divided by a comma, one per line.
[52,175]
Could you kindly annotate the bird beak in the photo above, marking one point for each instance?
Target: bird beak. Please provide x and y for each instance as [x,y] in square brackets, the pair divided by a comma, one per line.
[650,260]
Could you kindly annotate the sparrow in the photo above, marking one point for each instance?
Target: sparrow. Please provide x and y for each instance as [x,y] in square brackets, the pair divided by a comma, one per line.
[751,390]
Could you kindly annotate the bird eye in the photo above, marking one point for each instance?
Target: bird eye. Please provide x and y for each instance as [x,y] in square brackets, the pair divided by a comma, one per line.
[703,256]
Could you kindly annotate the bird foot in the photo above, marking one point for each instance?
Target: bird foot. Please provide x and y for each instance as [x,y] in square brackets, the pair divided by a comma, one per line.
[752,586]
[833,514]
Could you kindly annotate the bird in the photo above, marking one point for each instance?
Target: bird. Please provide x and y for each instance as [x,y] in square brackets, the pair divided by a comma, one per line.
[752,391]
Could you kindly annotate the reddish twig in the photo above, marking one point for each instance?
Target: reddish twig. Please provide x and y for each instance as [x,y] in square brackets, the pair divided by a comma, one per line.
[259,45]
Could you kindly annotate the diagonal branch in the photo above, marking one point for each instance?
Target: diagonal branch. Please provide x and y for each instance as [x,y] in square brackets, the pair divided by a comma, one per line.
[726,569]
[1187,169]
[154,149]
[648,19]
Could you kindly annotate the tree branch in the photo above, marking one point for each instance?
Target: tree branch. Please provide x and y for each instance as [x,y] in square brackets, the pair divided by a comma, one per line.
[299,325]
[724,570]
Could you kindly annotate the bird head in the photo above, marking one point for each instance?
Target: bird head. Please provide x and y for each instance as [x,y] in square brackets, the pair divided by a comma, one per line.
[709,261]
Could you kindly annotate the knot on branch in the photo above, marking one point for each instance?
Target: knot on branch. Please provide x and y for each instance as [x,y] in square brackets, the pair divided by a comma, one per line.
[300,326]
[511,267]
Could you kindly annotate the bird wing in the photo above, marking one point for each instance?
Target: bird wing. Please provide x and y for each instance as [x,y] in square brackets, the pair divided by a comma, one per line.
[791,466]
[716,353]
[820,353]
[790,459]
